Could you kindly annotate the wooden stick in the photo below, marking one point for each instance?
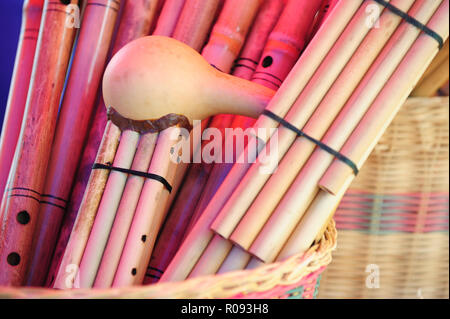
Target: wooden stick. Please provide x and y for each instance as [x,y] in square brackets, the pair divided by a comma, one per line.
[23,65]
[149,214]
[376,120]
[68,269]
[21,200]
[195,22]
[136,19]
[267,199]
[200,235]
[168,17]
[304,188]
[76,111]
[286,42]
[301,111]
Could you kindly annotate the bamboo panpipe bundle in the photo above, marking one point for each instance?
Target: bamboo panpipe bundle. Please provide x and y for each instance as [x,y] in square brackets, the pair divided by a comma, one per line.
[192,79]
[87,67]
[168,17]
[195,22]
[192,34]
[136,20]
[298,115]
[31,20]
[261,207]
[290,37]
[20,203]
[200,235]
[278,228]
[293,41]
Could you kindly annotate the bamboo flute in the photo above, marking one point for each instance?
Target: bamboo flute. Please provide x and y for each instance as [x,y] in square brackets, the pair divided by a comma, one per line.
[106,262]
[279,226]
[200,235]
[283,48]
[76,110]
[263,204]
[21,200]
[298,115]
[438,59]
[23,65]
[136,20]
[275,64]
[168,17]
[381,113]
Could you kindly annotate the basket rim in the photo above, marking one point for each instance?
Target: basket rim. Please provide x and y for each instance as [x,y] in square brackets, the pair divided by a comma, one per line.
[283,273]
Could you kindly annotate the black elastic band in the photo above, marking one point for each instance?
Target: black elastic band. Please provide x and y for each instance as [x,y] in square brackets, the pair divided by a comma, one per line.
[158,178]
[323,146]
[411,20]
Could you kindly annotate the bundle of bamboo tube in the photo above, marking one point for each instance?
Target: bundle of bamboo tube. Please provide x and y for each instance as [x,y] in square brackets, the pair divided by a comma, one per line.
[351,80]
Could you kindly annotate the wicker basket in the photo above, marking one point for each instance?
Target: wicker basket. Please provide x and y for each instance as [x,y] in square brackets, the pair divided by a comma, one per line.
[395,214]
[297,277]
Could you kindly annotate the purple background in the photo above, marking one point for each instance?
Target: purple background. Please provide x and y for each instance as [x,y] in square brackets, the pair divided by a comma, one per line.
[10,19]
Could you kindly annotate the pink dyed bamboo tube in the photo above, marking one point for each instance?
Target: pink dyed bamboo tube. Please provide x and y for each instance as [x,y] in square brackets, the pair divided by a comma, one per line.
[304,188]
[200,235]
[20,203]
[23,65]
[148,216]
[236,259]
[168,17]
[136,19]
[285,42]
[298,115]
[264,204]
[81,89]
[195,22]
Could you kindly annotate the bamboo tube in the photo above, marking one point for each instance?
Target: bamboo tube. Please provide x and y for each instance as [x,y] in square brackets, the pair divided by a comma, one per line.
[304,188]
[168,17]
[237,259]
[325,9]
[21,201]
[301,111]
[148,216]
[23,65]
[200,235]
[439,58]
[266,201]
[254,263]
[195,22]
[381,113]
[136,19]
[433,82]
[285,42]
[265,21]
[82,86]
[108,207]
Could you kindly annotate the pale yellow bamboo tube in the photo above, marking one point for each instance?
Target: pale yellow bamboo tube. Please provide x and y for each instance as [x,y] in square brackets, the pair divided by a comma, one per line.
[168,17]
[364,138]
[433,82]
[438,59]
[237,259]
[107,209]
[298,115]
[200,235]
[274,189]
[125,212]
[212,257]
[312,224]
[195,21]
[301,193]
[149,214]
[68,269]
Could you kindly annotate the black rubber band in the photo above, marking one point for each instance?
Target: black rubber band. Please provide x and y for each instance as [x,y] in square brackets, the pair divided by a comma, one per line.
[411,20]
[323,146]
[158,178]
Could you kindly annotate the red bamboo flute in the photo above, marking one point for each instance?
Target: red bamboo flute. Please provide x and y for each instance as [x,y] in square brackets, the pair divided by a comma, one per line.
[31,20]
[136,20]
[168,17]
[283,48]
[23,196]
[325,9]
[77,107]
